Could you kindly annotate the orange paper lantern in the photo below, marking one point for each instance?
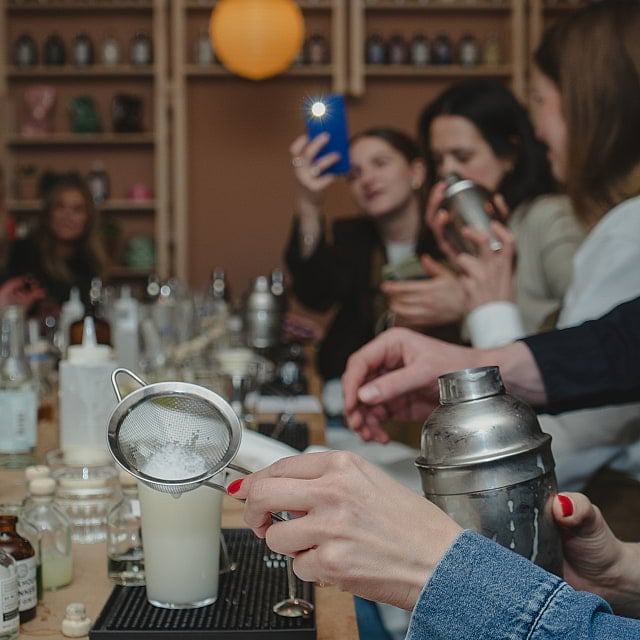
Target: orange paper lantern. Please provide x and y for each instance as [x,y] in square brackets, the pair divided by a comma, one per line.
[256,38]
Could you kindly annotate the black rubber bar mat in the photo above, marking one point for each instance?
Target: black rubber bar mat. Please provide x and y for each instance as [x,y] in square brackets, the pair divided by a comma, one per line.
[243,609]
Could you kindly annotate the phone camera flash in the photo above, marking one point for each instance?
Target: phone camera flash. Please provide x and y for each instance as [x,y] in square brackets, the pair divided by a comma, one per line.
[318,109]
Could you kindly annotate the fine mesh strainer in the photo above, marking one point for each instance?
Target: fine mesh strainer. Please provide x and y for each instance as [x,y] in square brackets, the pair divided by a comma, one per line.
[173,436]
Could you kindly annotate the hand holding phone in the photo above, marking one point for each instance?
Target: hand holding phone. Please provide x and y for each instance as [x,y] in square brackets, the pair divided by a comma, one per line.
[328,114]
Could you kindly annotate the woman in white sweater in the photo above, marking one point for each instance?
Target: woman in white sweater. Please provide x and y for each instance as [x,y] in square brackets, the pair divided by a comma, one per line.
[594,150]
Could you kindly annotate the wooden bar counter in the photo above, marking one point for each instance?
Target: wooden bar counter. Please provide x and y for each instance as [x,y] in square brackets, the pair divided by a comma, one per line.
[335,613]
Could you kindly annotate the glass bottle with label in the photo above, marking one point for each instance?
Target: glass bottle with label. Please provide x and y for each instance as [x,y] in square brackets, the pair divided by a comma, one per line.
[28,531]
[125,556]
[9,618]
[55,533]
[18,396]
[24,555]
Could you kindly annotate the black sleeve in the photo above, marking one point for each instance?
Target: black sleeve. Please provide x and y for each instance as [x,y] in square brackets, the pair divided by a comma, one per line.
[593,364]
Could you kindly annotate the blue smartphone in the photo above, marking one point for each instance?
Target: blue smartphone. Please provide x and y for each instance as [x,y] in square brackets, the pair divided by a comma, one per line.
[328,113]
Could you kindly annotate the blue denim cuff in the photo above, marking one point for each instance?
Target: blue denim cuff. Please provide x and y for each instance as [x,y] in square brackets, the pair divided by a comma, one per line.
[482,590]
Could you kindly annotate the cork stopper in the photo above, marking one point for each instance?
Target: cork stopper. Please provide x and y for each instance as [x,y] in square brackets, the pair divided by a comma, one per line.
[37,471]
[42,487]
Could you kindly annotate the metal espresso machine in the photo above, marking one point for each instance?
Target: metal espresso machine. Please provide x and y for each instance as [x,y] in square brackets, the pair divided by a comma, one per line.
[486,462]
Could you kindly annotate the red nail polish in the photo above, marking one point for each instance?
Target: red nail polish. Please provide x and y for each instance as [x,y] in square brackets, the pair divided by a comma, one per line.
[567,506]
[234,487]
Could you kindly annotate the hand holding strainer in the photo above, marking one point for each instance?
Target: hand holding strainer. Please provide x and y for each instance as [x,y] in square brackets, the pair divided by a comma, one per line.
[176,436]
[173,436]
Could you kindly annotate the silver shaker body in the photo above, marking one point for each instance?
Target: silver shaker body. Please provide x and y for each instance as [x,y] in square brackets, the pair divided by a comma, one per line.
[486,462]
[263,314]
[469,205]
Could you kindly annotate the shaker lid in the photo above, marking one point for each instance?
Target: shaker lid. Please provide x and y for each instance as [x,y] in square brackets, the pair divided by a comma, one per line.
[470,384]
[456,184]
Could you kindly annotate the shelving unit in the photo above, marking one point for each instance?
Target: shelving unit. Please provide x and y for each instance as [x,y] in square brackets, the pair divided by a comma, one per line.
[207,191]
[128,157]
[442,16]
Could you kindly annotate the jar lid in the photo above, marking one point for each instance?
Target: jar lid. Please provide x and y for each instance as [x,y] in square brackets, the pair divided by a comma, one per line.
[37,471]
[42,486]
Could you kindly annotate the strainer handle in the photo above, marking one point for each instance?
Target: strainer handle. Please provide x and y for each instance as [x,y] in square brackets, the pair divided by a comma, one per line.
[114,380]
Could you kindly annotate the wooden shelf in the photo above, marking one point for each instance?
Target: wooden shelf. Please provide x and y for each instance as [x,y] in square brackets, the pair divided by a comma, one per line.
[201,70]
[208,5]
[113,205]
[439,5]
[436,71]
[69,71]
[563,5]
[80,5]
[82,139]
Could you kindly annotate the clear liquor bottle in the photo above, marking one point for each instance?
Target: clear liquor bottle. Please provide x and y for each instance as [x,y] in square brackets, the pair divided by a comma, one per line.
[125,555]
[54,526]
[18,395]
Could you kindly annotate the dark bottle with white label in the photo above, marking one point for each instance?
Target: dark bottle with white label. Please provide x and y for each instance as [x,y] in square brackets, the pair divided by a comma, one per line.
[9,618]
[26,565]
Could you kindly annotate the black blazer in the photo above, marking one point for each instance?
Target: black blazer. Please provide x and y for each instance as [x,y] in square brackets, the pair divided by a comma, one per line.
[344,273]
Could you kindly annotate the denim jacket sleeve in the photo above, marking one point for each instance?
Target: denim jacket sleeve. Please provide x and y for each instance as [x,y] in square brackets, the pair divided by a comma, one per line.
[482,590]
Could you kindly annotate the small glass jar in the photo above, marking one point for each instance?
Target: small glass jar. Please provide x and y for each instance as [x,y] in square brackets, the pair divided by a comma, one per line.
[420,50]
[125,556]
[87,489]
[203,52]
[82,50]
[111,51]
[376,49]
[398,50]
[468,50]
[55,533]
[141,49]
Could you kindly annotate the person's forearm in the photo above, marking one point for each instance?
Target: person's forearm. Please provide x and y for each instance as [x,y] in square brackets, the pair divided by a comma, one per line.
[519,371]
[482,590]
[310,225]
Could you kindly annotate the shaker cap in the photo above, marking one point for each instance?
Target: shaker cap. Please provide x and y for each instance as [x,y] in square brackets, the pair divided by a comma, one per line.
[456,184]
[470,384]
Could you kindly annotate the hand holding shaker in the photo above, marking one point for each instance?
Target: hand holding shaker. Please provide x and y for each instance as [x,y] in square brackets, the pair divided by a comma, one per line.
[469,205]
[486,462]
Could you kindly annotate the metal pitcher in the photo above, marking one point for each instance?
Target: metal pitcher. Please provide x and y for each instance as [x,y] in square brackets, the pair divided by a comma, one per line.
[486,462]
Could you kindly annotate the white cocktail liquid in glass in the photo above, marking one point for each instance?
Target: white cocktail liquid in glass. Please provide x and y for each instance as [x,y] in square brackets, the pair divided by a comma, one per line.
[181,537]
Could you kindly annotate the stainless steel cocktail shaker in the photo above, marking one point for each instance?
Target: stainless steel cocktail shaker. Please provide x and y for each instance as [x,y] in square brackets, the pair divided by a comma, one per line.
[469,205]
[486,462]
[264,310]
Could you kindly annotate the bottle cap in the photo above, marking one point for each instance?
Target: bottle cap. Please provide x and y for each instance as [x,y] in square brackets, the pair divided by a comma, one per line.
[89,351]
[42,487]
[75,623]
[37,471]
